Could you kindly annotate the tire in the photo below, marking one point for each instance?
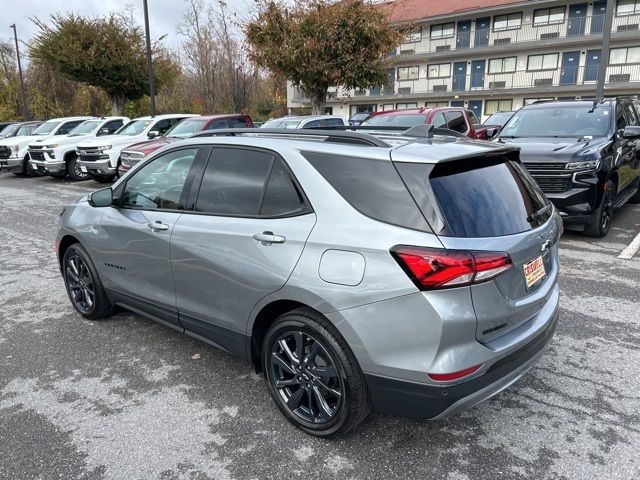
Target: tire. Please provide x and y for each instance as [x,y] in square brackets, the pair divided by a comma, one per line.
[103,178]
[325,395]
[29,172]
[74,171]
[83,284]
[601,222]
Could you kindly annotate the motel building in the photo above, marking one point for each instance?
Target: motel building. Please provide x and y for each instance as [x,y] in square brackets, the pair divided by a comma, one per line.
[497,55]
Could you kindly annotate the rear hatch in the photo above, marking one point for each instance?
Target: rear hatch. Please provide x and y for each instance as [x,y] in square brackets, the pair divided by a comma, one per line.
[489,203]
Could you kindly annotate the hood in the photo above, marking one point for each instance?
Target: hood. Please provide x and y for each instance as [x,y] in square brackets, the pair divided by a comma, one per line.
[151,145]
[21,141]
[553,150]
[59,139]
[112,140]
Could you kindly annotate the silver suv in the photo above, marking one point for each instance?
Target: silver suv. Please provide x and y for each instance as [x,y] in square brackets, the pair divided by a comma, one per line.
[411,276]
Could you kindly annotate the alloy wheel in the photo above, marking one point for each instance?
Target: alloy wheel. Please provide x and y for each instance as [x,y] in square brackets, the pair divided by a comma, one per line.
[80,283]
[306,378]
[607,212]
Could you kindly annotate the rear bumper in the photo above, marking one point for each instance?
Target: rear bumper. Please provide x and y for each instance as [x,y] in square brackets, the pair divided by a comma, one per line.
[408,399]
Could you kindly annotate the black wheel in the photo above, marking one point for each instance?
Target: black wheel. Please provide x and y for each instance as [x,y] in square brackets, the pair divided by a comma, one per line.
[73,170]
[29,172]
[601,222]
[313,376]
[84,286]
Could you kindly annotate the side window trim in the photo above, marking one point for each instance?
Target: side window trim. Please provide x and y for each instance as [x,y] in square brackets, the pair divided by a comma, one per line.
[305,209]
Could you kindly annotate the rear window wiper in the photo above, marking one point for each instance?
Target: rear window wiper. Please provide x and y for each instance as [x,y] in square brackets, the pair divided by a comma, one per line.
[540,213]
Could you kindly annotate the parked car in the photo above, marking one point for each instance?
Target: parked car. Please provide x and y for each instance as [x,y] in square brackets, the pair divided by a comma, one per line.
[56,156]
[495,122]
[457,119]
[585,157]
[358,118]
[18,129]
[305,121]
[440,294]
[99,158]
[133,154]
[14,155]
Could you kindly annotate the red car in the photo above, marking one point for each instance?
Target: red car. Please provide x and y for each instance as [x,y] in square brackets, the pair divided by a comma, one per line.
[454,118]
[133,154]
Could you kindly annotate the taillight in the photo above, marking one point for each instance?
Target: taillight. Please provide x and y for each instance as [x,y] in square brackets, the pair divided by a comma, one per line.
[447,377]
[434,268]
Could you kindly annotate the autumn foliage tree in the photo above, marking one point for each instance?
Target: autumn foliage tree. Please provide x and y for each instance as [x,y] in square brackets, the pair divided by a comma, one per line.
[317,44]
[106,52]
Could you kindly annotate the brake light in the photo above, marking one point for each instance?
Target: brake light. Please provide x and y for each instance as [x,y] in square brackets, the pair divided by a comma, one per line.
[447,377]
[433,268]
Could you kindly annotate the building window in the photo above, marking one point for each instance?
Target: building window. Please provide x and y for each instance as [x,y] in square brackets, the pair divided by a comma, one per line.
[502,65]
[404,106]
[622,56]
[545,16]
[507,22]
[413,36]
[446,30]
[408,73]
[441,70]
[548,61]
[493,106]
[436,104]
[628,7]
[387,106]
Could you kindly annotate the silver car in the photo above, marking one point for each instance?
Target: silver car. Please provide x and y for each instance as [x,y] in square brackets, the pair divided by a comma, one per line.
[414,277]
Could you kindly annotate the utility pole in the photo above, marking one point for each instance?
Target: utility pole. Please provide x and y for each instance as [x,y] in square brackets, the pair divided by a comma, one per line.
[604,52]
[152,87]
[24,95]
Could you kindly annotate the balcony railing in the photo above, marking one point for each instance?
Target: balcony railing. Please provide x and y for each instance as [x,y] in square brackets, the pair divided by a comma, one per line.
[527,32]
[563,78]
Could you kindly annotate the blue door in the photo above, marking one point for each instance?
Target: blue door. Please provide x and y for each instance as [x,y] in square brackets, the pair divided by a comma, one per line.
[463,39]
[457,103]
[476,107]
[577,19]
[569,72]
[477,73]
[459,76]
[591,66]
[483,27]
[597,20]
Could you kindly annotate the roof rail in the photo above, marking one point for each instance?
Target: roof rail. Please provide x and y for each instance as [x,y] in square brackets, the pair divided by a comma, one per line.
[423,130]
[328,135]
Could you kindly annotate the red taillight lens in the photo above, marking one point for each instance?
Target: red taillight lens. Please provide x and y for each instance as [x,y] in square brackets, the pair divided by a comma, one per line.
[432,268]
[447,377]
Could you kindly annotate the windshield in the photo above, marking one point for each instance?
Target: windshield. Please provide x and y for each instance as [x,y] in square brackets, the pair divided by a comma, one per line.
[396,120]
[85,128]
[186,128]
[134,127]
[46,128]
[498,118]
[281,123]
[574,121]
[360,116]
[9,130]
[26,130]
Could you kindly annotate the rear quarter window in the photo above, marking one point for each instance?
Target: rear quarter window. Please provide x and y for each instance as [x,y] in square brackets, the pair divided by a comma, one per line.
[373,187]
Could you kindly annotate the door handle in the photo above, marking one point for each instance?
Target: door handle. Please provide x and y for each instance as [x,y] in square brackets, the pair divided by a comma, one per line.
[157,226]
[267,238]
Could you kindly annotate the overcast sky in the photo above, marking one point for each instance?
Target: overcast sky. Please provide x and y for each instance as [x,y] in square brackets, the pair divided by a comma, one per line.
[164,15]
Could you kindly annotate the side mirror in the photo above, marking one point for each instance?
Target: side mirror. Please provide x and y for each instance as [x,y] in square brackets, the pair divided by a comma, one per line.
[153,134]
[631,133]
[492,132]
[101,198]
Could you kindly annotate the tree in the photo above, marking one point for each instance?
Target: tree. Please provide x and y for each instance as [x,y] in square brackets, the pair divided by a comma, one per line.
[318,44]
[106,52]
[9,83]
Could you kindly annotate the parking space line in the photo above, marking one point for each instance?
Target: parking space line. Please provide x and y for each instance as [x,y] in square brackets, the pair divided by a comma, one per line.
[631,250]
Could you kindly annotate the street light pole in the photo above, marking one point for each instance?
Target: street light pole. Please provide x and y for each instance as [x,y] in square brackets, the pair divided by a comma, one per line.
[24,95]
[604,52]
[152,87]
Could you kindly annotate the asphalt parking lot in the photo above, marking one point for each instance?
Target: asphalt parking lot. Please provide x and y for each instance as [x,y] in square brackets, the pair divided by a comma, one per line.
[130,399]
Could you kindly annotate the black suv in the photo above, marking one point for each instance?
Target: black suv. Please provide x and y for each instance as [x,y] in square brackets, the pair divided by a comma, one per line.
[585,156]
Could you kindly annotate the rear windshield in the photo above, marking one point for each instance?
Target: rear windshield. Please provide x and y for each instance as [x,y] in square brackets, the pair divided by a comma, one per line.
[475,197]
[396,120]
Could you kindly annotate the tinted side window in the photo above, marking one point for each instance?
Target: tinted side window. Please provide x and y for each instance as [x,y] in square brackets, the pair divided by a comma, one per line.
[438,121]
[334,122]
[68,126]
[217,124]
[112,126]
[233,182]
[621,122]
[373,187]
[456,122]
[162,126]
[281,196]
[237,122]
[632,118]
[312,124]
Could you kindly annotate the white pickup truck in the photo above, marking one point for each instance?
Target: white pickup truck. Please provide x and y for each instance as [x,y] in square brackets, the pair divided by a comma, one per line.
[56,156]
[14,154]
[99,157]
